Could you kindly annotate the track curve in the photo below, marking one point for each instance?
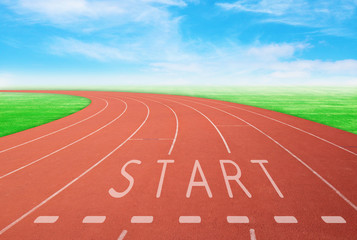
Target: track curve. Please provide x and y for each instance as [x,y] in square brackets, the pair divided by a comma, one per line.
[148,166]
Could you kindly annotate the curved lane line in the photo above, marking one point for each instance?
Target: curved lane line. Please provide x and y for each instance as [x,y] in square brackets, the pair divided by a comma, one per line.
[77,178]
[68,145]
[293,155]
[177,123]
[220,134]
[289,125]
[46,135]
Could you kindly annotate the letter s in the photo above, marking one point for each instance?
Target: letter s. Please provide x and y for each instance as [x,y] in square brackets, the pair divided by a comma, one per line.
[116,194]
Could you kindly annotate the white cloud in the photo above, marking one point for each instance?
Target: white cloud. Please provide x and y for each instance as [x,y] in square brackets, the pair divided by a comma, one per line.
[339,68]
[146,33]
[180,67]
[64,46]
[275,51]
[328,15]
[66,8]
[274,7]
[264,64]
[287,75]
[134,28]
[178,3]
[65,11]
[90,13]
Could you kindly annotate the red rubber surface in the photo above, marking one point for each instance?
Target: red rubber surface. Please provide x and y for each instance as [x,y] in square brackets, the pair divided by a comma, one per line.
[314,166]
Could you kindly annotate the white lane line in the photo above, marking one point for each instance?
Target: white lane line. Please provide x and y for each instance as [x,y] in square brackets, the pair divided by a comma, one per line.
[291,154]
[176,131]
[190,219]
[68,145]
[142,219]
[51,133]
[146,139]
[77,178]
[237,219]
[289,125]
[333,219]
[252,234]
[177,123]
[94,219]
[46,219]
[220,134]
[122,235]
[285,219]
[245,125]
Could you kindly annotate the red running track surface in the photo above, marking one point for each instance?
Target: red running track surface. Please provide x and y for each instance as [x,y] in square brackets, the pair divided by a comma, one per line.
[146,166]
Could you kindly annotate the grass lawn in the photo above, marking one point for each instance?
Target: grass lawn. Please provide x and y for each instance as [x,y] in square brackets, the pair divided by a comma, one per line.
[21,111]
[332,106]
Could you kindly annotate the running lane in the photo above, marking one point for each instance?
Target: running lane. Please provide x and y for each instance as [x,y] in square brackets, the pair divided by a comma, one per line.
[157,173]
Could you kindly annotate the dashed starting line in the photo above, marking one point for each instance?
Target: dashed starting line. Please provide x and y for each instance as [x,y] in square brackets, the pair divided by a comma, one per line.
[190,219]
[142,219]
[46,219]
[237,219]
[94,219]
[285,219]
[333,219]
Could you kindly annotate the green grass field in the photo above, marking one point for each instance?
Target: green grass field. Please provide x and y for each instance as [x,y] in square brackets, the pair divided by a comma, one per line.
[332,106]
[21,111]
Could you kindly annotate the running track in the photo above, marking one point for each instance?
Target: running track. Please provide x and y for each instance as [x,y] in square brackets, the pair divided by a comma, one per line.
[145,166]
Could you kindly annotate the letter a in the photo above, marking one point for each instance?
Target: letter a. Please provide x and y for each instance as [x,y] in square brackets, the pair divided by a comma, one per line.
[198,184]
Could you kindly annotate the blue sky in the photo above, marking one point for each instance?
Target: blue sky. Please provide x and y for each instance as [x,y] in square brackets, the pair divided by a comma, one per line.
[245,42]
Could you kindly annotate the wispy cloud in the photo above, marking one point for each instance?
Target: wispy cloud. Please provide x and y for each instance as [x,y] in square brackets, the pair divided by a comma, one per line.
[264,64]
[93,14]
[274,7]
[180,67]
[179,3]
[324,14]
[147,35]
[70,46]
[275,51]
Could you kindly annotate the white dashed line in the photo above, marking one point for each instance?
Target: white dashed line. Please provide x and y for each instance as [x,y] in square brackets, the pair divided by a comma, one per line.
[333,219]
[252,234]
[190,219]
[142,219]
[122,235]
[285,219]
[237,219]
[46,219]
[94,219]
